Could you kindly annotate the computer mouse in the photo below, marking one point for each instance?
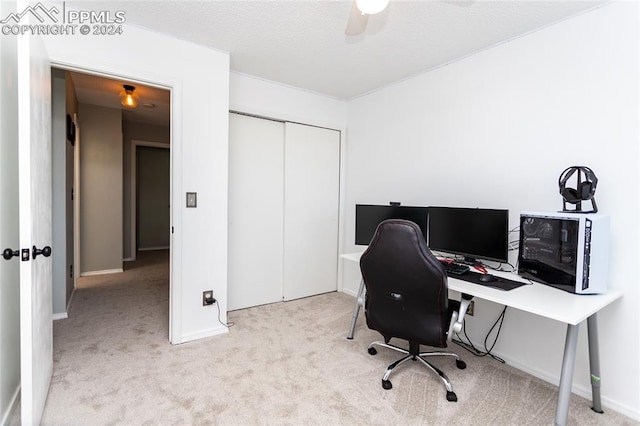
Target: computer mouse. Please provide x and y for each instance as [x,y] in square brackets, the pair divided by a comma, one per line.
[487,278]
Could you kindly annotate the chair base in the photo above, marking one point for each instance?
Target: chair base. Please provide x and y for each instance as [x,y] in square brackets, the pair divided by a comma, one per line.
[386,383]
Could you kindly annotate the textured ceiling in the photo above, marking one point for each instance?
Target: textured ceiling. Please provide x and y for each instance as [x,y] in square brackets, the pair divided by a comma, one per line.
[303,43]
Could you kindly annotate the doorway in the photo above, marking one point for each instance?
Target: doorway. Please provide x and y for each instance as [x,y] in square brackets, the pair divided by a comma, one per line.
[105,178]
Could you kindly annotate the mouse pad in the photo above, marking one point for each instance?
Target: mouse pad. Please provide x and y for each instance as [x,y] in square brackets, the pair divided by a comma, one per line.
[500,284]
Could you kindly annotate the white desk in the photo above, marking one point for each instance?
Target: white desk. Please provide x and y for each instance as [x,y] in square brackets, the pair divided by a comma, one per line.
[545,301]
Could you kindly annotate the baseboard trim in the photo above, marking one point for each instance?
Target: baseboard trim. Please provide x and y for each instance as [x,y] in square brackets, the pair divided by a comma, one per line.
[103,272]
[153,248]
[129,259]
[6,416]
[349,292]
[203,334]
[65,314]
[61,315]
[73,293]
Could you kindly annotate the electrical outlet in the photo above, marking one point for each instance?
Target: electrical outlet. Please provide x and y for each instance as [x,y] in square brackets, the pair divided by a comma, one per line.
[470,308]
[206,297]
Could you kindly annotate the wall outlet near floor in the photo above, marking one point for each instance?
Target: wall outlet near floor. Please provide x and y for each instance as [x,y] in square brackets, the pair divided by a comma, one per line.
[207,298]
[470,308]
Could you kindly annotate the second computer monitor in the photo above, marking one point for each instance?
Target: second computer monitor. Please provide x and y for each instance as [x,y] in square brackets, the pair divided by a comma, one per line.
[470,232]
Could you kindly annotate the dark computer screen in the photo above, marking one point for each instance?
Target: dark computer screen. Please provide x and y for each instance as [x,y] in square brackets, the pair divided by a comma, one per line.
[369,216]
[470,232]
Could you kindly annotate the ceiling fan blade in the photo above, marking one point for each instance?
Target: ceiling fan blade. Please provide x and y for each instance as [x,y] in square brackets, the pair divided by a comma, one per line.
[357,22]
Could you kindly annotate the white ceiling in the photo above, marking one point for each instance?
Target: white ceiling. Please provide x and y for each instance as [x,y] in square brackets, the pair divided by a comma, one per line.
[303,44]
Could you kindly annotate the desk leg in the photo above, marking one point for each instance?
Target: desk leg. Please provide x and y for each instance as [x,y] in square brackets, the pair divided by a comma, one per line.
[594,362]
[356,309]
[566,376]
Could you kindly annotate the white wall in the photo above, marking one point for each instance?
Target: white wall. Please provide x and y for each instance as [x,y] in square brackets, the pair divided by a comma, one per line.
[199,79]
[264,98]
[495,130]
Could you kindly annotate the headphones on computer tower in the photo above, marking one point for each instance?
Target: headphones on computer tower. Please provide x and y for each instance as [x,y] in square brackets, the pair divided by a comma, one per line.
[585,188]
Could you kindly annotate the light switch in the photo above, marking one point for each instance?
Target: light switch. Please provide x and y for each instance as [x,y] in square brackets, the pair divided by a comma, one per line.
[192,199]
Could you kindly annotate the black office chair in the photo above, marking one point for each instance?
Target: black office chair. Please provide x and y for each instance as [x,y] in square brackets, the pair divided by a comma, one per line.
[407,297]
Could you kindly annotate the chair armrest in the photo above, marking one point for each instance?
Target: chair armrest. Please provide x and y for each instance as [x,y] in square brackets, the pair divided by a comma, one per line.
[457,318]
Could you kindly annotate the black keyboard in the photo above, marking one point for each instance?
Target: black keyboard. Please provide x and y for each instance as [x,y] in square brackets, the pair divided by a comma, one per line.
[454,268]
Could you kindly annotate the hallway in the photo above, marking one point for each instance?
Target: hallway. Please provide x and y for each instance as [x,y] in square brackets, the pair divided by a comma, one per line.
[136,300]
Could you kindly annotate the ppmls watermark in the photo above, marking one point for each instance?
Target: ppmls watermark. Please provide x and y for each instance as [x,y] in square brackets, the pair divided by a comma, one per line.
[52,21]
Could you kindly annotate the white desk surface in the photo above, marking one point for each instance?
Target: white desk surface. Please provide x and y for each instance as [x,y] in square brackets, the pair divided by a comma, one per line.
[536,298]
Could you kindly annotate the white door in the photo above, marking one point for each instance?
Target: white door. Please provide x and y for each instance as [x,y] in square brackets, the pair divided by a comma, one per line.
[9,221]
[312,188]
[35,205]
[255,211]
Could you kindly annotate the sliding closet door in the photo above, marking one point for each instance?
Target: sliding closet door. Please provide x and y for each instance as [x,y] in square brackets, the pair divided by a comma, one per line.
[255,247]
[311,198]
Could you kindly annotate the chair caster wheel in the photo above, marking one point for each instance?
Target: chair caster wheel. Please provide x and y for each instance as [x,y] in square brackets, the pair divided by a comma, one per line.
[451,397]
[461,364]
[372,351]
[386,384]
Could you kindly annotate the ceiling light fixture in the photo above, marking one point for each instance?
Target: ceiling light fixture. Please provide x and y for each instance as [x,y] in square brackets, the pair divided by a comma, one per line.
[128,99]
[371,7]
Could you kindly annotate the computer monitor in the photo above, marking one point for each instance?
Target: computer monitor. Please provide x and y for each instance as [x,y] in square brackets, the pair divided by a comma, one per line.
[368,217]
[470,232]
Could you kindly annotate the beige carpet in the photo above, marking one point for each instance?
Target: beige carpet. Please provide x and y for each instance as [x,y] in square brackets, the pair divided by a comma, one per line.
[285,363]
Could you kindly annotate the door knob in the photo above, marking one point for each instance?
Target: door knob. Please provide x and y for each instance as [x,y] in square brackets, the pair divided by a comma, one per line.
[8,253]
[45,251]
